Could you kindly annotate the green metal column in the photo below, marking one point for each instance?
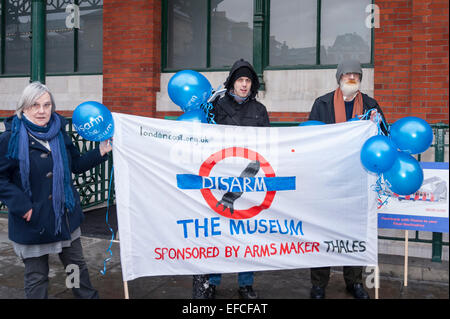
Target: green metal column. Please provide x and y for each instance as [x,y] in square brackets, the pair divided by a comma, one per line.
[38,18]
[436,248]
[258,39]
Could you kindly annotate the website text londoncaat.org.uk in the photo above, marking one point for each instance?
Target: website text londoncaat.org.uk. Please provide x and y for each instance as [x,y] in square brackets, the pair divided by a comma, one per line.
[192,143]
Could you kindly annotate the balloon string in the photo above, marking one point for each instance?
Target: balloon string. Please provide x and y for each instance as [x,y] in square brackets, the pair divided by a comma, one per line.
[380,188]
[207,108]
[106,260]
[378,119]
[365,116]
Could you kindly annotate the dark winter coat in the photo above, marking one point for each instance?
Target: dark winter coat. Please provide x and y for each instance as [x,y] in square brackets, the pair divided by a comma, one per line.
[41,227]
[250,113]
[323,108]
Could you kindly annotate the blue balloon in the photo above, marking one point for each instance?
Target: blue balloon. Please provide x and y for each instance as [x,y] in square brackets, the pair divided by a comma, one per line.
[356,118]
[93,121]
[404,177]
[197,115]
[311,122]
[378,154]
[412,134]
[189,89]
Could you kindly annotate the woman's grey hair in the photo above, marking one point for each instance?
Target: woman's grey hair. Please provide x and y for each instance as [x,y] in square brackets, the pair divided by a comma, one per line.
[30,94]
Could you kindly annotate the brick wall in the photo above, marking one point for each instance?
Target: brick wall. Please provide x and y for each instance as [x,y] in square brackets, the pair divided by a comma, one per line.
[288,116]
[411,59]
[4,113]
[131,55]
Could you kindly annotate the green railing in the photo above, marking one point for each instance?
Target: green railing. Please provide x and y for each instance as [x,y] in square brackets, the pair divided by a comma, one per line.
[93,185]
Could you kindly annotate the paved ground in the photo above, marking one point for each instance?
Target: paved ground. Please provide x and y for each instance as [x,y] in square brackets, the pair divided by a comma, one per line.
[286,284]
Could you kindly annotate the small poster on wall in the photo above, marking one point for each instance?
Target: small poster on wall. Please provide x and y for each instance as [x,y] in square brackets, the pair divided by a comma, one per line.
[426,209]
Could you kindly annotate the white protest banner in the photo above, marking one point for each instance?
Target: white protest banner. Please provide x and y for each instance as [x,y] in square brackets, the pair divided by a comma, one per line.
[198,198]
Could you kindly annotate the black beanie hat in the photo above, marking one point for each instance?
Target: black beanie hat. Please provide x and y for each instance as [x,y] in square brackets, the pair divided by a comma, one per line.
[242,68]
[242,71]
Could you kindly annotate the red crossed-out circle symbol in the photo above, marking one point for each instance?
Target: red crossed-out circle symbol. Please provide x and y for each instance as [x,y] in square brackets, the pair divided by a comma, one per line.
[210,162]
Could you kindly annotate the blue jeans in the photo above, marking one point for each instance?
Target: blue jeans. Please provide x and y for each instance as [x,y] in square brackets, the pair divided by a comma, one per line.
[244,279]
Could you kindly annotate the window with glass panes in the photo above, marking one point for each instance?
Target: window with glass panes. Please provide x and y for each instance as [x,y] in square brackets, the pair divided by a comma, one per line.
[212,34]
[69,50]
[205,34]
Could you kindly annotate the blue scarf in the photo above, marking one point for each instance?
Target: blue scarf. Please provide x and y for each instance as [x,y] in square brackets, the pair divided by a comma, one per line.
[238,99]
[18,148]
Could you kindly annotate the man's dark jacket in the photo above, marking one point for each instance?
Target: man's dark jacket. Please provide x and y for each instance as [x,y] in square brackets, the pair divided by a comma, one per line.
[323,108]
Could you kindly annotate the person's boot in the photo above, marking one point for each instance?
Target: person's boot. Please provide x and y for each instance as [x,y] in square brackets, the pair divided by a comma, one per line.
[357,290]
[247,292]
[211,292]
[200,286]
[317,292]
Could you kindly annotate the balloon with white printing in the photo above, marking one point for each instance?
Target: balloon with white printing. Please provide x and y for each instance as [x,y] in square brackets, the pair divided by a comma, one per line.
[93,121]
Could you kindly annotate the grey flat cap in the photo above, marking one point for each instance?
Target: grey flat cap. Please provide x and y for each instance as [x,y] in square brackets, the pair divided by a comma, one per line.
[348,66]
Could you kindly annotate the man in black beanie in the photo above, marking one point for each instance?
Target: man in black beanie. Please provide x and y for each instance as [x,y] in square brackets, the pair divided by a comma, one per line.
[237,107]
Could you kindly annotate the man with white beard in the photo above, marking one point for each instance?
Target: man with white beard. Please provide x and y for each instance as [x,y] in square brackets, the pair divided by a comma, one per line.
[346,101]
[338,106]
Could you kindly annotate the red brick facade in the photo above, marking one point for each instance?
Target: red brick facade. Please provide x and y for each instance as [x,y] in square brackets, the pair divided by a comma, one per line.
[6,113]
[411,59]
[131,55]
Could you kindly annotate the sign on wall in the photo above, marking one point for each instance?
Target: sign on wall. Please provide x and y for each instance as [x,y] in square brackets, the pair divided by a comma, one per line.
[425,210]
